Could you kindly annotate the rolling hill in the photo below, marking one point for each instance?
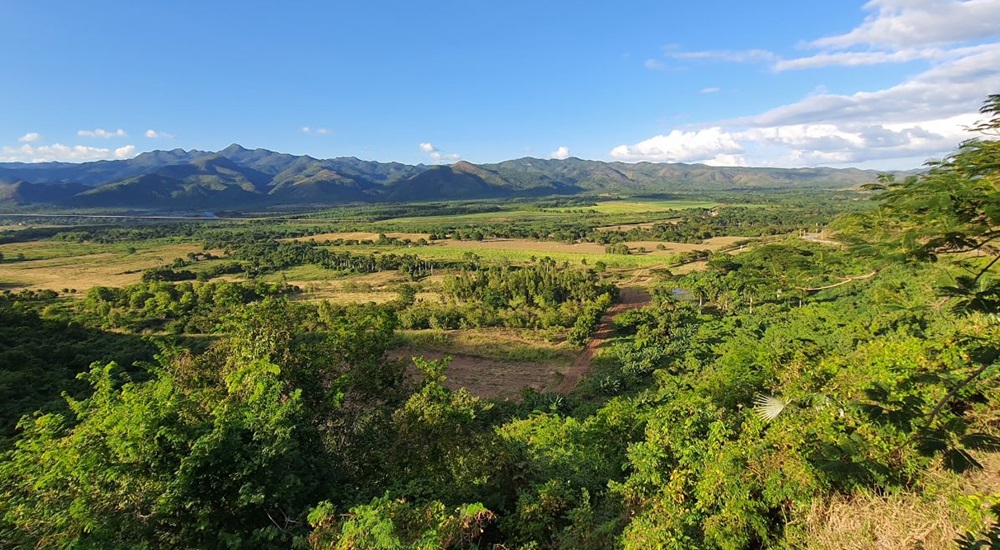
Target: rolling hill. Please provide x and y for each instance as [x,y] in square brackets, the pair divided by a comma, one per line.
[237,177]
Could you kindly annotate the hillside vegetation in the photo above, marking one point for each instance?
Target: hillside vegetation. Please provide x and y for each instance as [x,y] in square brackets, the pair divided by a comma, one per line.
[237,178]
[831,389]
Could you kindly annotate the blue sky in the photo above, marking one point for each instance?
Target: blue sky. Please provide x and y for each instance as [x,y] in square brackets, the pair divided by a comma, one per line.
[882,84]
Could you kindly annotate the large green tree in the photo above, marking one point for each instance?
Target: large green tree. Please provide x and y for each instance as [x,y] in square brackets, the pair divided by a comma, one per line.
[226,449]
[951,210]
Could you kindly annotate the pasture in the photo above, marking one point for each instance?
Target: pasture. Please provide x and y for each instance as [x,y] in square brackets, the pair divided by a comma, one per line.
[57,265]
[640,206]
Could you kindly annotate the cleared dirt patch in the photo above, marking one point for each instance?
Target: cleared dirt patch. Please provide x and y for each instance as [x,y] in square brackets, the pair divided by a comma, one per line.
[488,378]
[629,298]
[492,362]
[700,265]
[506,345]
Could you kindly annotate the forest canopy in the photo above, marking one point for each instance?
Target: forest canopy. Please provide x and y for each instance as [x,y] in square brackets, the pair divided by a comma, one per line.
[747,404]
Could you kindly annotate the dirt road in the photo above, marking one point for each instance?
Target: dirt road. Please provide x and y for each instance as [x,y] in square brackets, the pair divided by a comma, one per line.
[628,298]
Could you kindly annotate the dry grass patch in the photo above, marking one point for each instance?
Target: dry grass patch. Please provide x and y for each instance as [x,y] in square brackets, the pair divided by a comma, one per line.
[382,278]
[929,520]
[683,269]
[55,271]
[313,291]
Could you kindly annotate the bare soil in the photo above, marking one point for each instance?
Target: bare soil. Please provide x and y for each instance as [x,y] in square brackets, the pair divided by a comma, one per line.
[629,298]
[488,378]
[493,379]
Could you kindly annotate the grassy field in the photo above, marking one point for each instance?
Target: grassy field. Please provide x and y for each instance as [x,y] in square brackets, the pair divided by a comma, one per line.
[480,218]
[56,265]
[606,212]
[516,253]
[319,284]
[639,206]
[523,250]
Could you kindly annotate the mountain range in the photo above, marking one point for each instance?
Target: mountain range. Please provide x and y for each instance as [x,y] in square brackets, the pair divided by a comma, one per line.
[236,177]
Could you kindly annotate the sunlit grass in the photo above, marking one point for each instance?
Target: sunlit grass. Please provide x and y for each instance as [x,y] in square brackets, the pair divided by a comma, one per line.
[56,264]
[476,218]
[640,207]
[507,345]
[457,252]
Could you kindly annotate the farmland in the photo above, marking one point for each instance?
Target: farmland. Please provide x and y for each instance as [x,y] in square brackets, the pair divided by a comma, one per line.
[500,336]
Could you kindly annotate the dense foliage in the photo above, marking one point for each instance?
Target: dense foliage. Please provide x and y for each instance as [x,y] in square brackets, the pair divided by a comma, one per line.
[539,295]
[40,356]
[722,416]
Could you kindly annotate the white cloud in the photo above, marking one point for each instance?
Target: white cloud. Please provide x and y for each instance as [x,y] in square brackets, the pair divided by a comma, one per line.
[436,155]
[813,144]
[153,134]
[101,133]
[562,153]
[923,116]
[898,31]
[709,90]
[62,153]
[681,146]
[899,24]
[851,59]
[799,137]
[942,91]
[723,159]
[30,137]
[743,56]
[654,65]
[445,157]
[804,144]
[316,131]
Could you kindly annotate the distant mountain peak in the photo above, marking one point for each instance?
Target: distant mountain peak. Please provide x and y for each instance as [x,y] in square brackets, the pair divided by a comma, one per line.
[234,148]
[237,177]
